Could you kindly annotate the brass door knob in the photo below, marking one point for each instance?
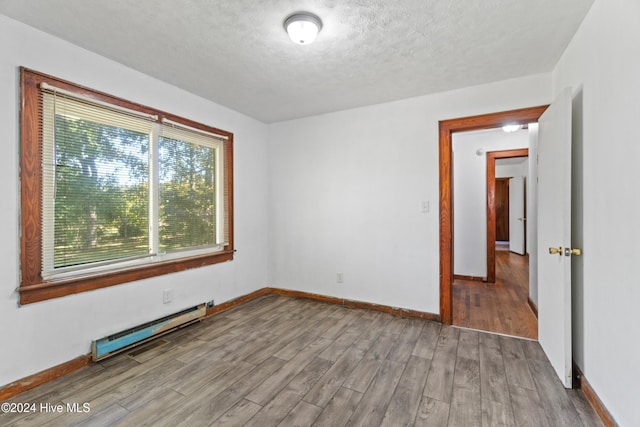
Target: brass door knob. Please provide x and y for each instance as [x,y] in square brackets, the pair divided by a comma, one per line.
[576,252]
[554,251]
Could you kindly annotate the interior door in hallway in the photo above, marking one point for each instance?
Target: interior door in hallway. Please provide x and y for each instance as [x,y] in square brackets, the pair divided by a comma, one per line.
[517,215]
[502,209]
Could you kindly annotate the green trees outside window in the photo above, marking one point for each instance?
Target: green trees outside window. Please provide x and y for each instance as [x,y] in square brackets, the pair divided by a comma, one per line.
[101,192]
[187,195]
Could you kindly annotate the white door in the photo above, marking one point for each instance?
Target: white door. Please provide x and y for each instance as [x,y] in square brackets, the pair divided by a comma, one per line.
[516,215]
[554,235]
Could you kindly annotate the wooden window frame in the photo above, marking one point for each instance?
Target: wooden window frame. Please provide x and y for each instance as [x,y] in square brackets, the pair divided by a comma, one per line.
[32,287]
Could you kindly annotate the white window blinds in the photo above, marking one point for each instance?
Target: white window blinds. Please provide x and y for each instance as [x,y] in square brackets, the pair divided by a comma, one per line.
[119,185]
[192,195]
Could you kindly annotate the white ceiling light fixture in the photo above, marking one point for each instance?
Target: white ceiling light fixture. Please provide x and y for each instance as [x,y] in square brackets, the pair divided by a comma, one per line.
[303,27]
[511,128]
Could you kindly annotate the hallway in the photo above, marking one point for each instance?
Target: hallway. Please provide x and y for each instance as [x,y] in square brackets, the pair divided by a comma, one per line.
[501,307]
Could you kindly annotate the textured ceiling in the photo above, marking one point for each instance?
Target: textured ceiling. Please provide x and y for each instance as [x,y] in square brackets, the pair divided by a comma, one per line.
[237,54]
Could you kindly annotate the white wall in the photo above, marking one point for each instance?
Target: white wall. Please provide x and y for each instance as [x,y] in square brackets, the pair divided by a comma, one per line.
[602,65]
[512,170]
[41,335]
[470,194]
[346,191]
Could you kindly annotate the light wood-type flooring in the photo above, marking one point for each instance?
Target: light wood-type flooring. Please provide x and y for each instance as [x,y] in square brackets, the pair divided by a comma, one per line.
[281,361]
[501,307]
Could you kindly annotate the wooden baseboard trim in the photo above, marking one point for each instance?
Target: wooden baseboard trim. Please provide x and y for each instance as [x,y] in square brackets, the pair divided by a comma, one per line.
[12,389]
[236,301]
[533,306]
[593,399]
[469,278]
[358,304]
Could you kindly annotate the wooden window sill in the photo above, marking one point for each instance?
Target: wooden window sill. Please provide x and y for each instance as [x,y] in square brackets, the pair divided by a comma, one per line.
[81,283]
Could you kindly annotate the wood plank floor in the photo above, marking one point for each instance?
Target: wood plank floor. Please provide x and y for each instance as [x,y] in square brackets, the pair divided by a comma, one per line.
[280,361]
[501,307]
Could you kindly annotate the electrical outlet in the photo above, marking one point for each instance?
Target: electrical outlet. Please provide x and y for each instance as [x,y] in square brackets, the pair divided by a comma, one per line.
[167,296]
[339,277]
[424,206]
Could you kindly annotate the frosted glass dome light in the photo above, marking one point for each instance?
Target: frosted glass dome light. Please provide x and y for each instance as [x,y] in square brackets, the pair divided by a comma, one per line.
[511,128]
[302,27]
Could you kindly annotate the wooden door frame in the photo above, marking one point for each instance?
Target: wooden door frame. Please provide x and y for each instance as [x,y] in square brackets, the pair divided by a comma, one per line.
[491,204]
[446,129]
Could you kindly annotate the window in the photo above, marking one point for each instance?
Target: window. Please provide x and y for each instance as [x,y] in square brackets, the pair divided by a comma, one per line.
[112,191]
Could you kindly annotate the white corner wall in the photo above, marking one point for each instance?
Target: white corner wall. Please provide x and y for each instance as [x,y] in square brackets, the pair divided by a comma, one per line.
[41,335]
[470,194]
[346,191]
[602,65]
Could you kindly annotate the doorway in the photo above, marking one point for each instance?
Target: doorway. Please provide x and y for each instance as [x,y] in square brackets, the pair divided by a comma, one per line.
[502,210]
[492,203]
[491,292]
[446,129]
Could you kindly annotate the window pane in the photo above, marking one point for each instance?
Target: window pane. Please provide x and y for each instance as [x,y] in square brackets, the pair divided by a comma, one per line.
[101,193]
[186,195]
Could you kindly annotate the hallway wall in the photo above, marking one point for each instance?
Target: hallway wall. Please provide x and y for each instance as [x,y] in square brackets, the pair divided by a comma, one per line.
[470,194]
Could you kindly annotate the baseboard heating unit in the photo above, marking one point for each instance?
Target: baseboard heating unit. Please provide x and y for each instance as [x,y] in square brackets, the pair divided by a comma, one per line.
[122,341]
